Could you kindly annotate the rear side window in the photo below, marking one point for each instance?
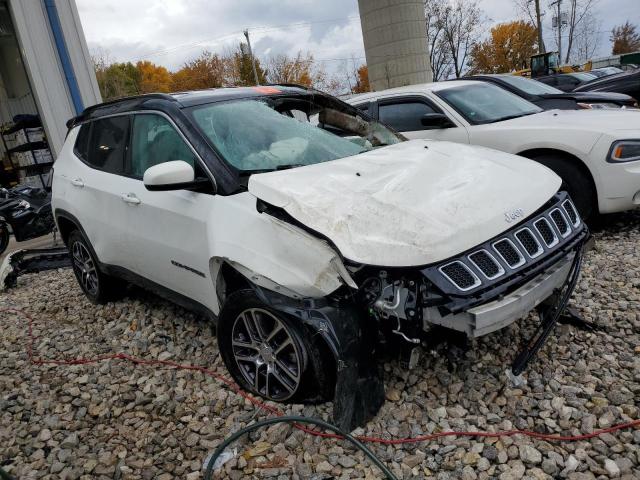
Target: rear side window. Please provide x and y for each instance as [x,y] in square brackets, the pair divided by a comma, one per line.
[404,116]
[108,144]
[82,142]
[154,140]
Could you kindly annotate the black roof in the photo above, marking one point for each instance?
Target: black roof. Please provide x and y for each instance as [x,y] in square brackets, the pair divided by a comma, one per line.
[184,99]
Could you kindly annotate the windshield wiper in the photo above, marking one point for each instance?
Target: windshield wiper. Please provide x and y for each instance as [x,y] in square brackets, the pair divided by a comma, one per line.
[511,117]
[288,166]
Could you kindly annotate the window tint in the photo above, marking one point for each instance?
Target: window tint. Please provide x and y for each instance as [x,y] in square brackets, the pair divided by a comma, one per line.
[82,142]
[404,116]
[154,140]
[108,143]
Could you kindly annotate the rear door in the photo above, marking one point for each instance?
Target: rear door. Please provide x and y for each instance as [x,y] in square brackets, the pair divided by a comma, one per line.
[404,114]
[94,184]
[167,230]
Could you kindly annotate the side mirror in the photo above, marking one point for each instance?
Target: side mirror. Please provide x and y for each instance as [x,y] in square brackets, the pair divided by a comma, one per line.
[436,120]
[175,175]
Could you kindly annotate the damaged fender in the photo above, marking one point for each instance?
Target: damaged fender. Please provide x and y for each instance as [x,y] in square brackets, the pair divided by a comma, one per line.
[278,256]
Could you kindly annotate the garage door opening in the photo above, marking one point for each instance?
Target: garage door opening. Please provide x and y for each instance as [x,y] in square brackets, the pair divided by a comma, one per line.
[26,157]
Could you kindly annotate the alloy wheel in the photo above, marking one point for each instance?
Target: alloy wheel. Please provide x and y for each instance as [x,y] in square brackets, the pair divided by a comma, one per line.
[266,354]
[86,268]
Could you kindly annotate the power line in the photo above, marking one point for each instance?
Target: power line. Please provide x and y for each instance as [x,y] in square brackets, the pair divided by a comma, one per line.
[258,29]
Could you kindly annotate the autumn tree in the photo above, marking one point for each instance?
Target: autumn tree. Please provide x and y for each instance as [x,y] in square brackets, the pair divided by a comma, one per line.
[625,38]
[153,78]
[362,80]
[299,69]
[206,71]
[117,80]
[241,70]
[509,48]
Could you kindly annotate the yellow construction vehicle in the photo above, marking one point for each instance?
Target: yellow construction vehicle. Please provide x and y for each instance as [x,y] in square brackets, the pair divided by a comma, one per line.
[549,63]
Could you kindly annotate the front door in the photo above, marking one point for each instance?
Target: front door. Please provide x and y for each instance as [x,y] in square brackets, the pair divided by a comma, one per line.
[167,230]
[405,114]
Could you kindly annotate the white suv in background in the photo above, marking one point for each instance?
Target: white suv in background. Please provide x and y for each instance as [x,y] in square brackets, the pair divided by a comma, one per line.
[595,152]
[304,230]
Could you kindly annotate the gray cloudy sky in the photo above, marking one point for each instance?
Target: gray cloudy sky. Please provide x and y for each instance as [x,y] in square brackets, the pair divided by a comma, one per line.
[169,32]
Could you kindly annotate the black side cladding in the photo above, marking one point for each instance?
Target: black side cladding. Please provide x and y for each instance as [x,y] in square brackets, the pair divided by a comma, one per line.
[359,392]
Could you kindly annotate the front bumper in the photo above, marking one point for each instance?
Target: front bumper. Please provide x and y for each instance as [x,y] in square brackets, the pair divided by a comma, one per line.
[492,316]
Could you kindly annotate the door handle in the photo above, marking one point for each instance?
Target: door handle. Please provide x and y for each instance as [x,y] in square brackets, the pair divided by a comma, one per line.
[77,182]
[130,198]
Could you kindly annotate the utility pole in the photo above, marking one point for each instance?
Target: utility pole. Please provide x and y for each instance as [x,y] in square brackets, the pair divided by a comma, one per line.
[253,60]
[541,48]
[558,4]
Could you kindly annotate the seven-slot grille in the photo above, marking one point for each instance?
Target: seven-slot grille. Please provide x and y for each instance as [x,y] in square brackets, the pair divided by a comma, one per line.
[515,249]
[571,212]
[487,264]
[460,275]
[560,221]
[544,228]
[508,252]
[529,242]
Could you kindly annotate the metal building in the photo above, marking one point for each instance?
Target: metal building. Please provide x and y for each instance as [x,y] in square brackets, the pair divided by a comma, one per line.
[395,42]
[45,67]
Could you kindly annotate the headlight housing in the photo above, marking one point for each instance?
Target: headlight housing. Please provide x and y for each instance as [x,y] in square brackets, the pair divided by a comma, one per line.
[624,151]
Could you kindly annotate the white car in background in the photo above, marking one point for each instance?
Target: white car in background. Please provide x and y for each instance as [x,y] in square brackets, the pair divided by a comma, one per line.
[596,153]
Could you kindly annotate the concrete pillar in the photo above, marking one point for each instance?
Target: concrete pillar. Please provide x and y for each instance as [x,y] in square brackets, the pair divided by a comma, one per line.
[395,42]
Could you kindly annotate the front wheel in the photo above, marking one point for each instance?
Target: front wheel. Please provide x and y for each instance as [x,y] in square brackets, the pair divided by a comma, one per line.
[4,237]
[270,354]
[575,181]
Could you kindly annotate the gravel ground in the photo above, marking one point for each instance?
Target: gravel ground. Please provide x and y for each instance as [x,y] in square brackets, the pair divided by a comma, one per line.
[116,420]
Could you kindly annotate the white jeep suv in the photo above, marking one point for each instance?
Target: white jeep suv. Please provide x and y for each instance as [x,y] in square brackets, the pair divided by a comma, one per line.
[305,230]
[595,152]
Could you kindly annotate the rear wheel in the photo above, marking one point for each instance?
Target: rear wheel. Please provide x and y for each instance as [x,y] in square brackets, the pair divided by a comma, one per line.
[575,180]
[268,353]
[97,286]
[4,237]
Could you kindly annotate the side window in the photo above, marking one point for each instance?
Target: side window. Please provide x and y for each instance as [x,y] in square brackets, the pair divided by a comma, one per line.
[82,142]
[404,116]
[108,143]
[363,107]
[154,140]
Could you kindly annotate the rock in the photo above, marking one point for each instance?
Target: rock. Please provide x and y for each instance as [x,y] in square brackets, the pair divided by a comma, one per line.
[483,464]
[612,468]
[529,454]
[45,434]
[349,462]
[549,466]
[393,395]
[470,458]
[571,464]
[414,460]
[624,464]
[70,442]
[324,467]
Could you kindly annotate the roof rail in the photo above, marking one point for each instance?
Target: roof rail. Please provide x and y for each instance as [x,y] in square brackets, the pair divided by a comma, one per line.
[87,111]
[286,85]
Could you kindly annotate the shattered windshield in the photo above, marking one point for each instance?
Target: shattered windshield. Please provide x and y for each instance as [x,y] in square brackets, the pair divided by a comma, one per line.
[272,133]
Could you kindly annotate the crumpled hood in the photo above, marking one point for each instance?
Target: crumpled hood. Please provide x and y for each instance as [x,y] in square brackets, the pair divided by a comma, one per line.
[412,203]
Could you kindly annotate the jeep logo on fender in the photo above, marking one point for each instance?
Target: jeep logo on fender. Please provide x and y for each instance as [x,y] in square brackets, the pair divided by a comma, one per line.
[514,215]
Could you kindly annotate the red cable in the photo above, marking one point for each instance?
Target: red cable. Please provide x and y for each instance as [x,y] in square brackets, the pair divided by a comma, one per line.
[276,411]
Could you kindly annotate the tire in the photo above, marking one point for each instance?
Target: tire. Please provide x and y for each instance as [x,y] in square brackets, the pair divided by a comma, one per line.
[98,287]
[249,336]
[575,181]
[4,237]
